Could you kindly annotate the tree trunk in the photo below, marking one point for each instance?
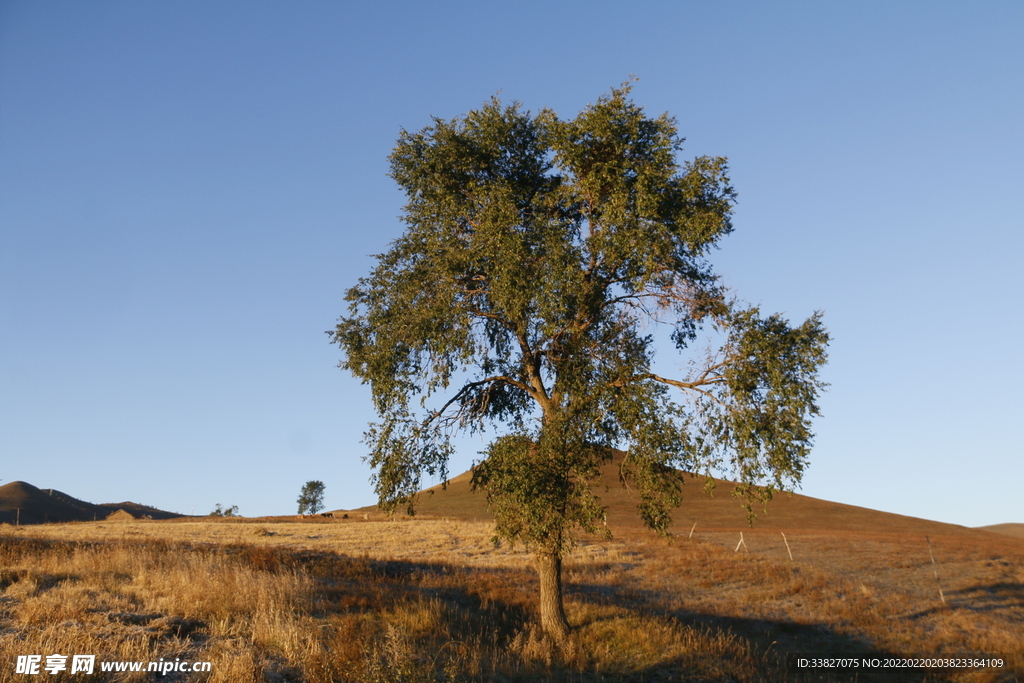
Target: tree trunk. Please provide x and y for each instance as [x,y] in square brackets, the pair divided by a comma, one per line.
[552,613]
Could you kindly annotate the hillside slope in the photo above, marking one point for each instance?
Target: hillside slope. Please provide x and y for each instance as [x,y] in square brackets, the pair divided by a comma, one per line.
[23,503]
[1015,530]
[720,511]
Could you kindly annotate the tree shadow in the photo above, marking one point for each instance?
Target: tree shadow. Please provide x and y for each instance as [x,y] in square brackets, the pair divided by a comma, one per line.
[501,603]
[484,626]
[989,597]
[787,642]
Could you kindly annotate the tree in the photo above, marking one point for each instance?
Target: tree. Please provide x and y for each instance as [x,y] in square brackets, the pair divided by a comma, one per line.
[311,498]
[220,511]
[539,256]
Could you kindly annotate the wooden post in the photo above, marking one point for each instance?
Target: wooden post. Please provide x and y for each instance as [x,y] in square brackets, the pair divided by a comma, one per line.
[691,531]
[935,570]
[787,546]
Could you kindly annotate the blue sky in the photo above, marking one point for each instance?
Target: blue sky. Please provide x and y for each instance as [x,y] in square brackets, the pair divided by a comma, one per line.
[187,190]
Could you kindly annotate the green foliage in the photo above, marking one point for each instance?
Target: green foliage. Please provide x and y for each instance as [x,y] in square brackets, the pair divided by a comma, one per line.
[311,498]
[550,484]
[538,252]
[220,511]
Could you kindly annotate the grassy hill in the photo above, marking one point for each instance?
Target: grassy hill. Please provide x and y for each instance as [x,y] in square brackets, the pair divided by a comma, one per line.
[23,503]
[1015,530]
[368,599]
[719,511]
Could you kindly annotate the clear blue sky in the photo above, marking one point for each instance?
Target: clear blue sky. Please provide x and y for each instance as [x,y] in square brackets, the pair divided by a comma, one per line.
[187,189]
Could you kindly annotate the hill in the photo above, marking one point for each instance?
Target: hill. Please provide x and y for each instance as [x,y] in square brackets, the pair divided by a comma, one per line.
[23,503]
[718,512]
[1015,530]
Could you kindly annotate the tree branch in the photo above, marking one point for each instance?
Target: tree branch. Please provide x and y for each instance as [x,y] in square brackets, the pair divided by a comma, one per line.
[472,385]
[691,386]
[531,363]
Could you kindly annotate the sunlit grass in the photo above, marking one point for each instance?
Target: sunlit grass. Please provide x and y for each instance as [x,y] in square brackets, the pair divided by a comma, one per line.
[435,601]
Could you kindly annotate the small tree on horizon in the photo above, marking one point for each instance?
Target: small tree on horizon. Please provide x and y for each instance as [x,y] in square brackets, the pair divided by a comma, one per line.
[220,511]
[539,255]
[311,499]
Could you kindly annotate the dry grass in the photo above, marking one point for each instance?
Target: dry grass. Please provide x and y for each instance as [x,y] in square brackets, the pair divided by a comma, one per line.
[450,540]
[435,601]
[847,593]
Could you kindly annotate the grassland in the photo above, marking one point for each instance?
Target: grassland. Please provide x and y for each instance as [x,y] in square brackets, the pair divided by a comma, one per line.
[435,600]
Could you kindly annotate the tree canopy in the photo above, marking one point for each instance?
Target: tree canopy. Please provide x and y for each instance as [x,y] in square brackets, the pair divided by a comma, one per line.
[311,497]
[539,256]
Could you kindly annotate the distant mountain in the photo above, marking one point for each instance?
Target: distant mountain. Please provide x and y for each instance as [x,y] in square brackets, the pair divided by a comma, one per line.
[718,512]
[1016,530]
[23,503]
[140,511]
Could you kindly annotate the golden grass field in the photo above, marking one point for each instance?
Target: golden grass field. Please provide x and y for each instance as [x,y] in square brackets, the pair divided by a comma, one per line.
[435,600]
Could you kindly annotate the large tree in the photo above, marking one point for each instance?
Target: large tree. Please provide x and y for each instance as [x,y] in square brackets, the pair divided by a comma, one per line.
[539,257]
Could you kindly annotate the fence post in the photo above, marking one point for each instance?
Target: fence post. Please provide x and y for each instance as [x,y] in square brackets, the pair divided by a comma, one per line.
[787,546]
[935,570]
